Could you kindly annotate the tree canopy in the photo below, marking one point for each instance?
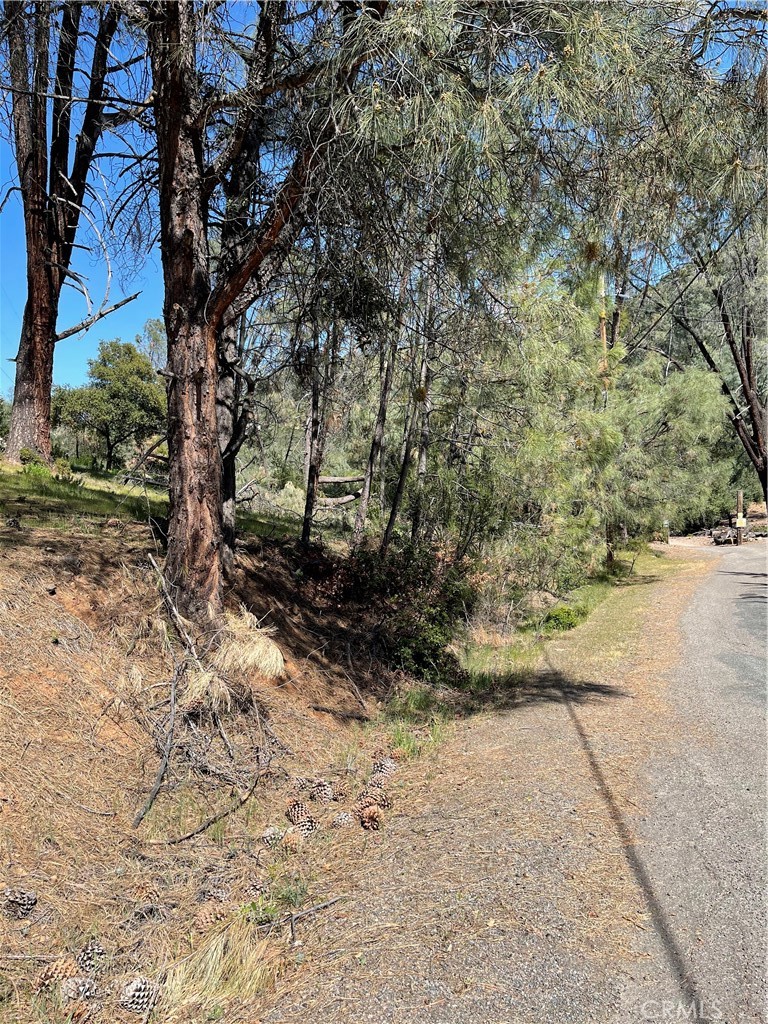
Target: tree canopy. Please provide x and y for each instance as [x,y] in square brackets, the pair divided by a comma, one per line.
[499,264]
[124,401]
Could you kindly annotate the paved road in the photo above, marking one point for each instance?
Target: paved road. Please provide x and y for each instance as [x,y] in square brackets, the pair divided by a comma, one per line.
[701,860]
[590,853]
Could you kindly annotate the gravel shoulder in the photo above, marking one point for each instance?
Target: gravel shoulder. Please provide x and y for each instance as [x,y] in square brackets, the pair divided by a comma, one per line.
[538,868]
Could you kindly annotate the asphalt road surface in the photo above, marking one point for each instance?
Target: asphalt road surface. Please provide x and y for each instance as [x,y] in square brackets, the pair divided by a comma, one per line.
[592,852]
[701,859]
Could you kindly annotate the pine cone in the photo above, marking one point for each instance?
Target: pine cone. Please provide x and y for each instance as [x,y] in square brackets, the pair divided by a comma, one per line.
[271,836]
[321,791]
[377,780]
[385,765]
[211,913]
[78,988]
[292,839]
[365,799]
[81,1011]
[57,971]
[300,784]
[296,811]
[147,894]
[19,902]
[342,820]
[254,891]
[139,995]
[371,818]
[307,827]
[214,895]
[90,955]
[340,792]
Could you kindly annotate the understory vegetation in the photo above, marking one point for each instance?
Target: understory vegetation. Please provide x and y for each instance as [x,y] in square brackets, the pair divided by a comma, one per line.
[460,307]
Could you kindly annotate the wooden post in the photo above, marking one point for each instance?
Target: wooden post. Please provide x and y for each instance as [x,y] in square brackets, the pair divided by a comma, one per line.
[739,517]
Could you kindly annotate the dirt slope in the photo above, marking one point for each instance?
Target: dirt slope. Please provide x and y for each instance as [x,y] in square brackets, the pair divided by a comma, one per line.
[86,659]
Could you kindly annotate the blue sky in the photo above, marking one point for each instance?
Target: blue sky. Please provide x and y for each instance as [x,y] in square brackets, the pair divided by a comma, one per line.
[71,360]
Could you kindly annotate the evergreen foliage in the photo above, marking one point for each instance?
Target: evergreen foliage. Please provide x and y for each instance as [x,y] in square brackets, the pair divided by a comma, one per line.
[478,282]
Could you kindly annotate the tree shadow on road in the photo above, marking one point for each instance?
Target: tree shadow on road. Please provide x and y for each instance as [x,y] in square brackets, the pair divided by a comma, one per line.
[517,690]
[673,951]
[755,580]
[486,691]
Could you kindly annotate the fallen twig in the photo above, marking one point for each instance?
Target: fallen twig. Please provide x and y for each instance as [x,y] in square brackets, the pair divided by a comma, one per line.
[355,716]
[224,738]
[88,810]
[309,912]
[166,752]
[213,819]
[174,613]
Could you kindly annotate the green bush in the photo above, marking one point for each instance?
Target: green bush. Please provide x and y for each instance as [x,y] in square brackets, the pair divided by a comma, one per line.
[37,470]
[29,457]
[62,469]
[563,617]
[420,600]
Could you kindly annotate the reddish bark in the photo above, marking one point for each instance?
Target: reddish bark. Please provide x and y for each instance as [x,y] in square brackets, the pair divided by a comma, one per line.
[193,565]
[51,207]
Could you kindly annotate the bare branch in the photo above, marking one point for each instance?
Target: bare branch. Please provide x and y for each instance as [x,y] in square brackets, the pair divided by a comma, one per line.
[86,324]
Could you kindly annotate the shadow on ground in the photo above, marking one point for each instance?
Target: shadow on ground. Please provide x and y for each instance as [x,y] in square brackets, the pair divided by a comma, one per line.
[507,691]
[662,924]
[754,580]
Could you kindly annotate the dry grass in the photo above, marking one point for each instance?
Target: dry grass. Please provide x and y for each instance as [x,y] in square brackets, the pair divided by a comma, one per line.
[503,840]
[233,961]
[205,688]
[86,659]
[84,714]
[248,649]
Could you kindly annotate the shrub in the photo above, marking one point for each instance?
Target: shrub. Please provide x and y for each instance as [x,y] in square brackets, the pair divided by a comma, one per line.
[420,599]
[62,469]
[29,457]
[563,617]
[37,470]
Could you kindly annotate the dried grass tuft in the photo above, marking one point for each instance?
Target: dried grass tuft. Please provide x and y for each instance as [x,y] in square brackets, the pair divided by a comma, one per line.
[205,690]
[248,648]
[232,961]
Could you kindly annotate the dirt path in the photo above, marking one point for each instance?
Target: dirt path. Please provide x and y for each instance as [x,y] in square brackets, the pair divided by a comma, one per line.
[509,886]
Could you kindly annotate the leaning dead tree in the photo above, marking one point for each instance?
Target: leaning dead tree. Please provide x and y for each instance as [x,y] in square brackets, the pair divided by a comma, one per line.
[58,66]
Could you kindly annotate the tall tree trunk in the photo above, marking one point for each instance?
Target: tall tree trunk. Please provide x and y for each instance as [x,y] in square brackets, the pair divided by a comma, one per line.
[315,441]
[31,413]
[610,547]
[194,561]
[425,384]
[231,433]
[405,463]
[425,393]
[376,442]
[30,427]
[229,511]
[52,194]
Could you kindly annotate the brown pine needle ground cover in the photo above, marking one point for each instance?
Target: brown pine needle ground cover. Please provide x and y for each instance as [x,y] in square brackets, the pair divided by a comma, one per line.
[191,907]
[503,887]
[87,656]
